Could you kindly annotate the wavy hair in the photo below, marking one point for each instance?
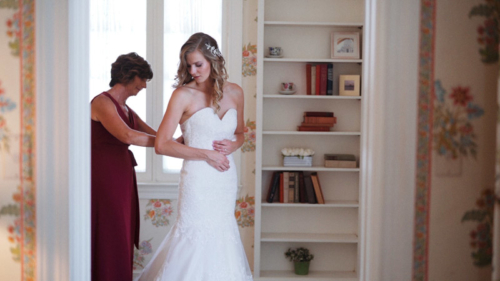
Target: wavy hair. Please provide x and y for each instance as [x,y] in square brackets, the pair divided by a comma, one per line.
[210,50]
[127,66]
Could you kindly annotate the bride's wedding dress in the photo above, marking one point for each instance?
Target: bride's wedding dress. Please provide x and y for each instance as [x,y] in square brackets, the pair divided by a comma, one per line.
[204,244]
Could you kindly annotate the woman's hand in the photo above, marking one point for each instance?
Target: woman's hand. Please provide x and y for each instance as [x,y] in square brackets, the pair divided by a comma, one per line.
[225,147]
[218,161]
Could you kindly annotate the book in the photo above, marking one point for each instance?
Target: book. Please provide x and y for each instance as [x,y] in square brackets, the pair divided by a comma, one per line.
[302,189]
[313,80]
[273,187]
[318,114]
[323,79]
[282,192]
[291,187]
[313,128]
[311,197]
[340,161]
[329,83]
[317,188]
[320,120]
[296,188]
[308,79]
[318,78]
[286,187]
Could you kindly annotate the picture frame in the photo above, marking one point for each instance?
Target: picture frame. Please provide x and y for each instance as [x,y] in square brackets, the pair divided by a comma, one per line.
[349,85]
[345,45]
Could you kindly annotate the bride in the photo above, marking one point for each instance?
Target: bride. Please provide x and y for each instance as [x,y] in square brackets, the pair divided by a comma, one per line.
[204,244]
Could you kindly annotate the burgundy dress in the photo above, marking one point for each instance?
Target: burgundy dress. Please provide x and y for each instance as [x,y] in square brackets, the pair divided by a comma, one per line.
[115,204]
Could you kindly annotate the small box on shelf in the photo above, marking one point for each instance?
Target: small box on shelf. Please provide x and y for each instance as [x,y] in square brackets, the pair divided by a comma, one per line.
[340,161]
[297,161]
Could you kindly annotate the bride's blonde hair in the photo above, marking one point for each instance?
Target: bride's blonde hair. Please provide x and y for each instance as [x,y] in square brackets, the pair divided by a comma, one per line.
[210,50]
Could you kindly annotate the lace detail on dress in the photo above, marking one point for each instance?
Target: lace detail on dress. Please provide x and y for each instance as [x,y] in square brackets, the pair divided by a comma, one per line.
[204,244]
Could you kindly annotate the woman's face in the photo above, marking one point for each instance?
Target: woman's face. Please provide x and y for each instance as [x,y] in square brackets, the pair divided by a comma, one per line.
[136,85]
[198,66]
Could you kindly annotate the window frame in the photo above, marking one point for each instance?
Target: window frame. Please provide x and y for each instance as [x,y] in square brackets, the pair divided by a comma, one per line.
[232,33]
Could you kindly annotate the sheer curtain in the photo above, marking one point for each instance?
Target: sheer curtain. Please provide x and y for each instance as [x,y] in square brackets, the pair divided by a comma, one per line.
[181,20]
[117,27]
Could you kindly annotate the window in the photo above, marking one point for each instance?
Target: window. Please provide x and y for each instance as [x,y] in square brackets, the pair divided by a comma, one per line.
[156,30]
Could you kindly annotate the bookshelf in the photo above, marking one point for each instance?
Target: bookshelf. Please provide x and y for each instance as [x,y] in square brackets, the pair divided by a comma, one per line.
[302,28]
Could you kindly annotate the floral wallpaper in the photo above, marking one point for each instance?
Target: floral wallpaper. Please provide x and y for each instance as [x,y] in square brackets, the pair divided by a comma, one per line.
[481,236]
[158,211]
[17,140]
[453,130]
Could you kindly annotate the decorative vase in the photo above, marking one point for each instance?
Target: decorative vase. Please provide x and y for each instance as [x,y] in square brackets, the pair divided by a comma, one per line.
[296,161]
[302,267]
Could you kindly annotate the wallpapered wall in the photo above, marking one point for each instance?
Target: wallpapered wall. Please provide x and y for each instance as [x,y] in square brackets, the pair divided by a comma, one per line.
[17,134]
[456,157]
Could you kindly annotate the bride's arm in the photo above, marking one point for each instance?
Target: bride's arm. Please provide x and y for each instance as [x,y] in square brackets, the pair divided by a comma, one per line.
[165,144]
[227,147]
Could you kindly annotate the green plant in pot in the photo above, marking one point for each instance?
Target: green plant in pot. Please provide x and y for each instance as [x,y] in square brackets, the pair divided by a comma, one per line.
[301,259]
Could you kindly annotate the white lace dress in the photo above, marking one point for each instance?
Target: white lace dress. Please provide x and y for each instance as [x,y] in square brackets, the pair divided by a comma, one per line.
[204,244]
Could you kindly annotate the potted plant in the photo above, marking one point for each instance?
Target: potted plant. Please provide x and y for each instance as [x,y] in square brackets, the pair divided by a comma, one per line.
[301,259]
[298,157]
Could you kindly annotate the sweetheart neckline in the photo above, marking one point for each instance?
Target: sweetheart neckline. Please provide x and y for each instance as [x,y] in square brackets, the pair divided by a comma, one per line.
[220,119]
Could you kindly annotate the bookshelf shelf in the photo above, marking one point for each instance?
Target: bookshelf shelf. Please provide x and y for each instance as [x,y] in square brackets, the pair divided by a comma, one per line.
[282,275]
[312,97]
[309,237]
[284,59]
[328,204]
[313,24]
[299,133]
[313,169]
[304,32]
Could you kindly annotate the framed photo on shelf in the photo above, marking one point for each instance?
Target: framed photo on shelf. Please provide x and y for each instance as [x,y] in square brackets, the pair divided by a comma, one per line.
[349,85]
[345,45]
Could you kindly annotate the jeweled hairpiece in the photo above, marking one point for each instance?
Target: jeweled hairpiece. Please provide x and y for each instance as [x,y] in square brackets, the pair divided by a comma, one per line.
[213,50]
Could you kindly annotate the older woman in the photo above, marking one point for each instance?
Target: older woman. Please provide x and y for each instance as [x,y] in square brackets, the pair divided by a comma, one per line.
[115,206]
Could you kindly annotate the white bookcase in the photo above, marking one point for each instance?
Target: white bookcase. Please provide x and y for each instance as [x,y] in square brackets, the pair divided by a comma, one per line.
[302,28]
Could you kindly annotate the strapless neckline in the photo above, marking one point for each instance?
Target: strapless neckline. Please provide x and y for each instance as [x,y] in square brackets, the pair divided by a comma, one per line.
[215,114]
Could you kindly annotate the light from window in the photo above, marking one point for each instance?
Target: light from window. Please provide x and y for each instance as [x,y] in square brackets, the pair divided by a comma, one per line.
[117,27]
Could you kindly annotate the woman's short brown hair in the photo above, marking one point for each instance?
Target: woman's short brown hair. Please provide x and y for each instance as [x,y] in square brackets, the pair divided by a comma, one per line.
[127,66]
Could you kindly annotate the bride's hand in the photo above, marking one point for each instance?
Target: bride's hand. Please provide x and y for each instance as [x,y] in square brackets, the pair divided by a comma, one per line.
[218,161]
[225,147]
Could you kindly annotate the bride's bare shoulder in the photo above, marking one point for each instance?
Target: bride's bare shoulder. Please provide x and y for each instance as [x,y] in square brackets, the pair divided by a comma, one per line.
[234,90]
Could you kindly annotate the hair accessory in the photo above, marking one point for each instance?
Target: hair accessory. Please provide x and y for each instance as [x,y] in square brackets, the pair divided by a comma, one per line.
[213,50]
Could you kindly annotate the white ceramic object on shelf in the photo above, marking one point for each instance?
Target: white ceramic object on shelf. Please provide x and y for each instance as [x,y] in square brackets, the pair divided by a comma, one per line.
[288,92]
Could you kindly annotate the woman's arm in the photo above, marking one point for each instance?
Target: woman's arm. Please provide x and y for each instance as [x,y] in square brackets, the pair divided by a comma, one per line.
[104,111]
[165,144]
[143,126]
[227,147]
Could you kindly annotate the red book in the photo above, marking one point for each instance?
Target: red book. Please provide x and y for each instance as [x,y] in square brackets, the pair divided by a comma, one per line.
[318,114]
[318,78]
[323,79]
[308,78]
[314,128]
[317,124]
[320,120]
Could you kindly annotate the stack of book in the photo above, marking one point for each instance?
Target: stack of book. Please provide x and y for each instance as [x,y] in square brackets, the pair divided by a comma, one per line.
[295,187]
[318,121]
[319,79]
[340,161]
